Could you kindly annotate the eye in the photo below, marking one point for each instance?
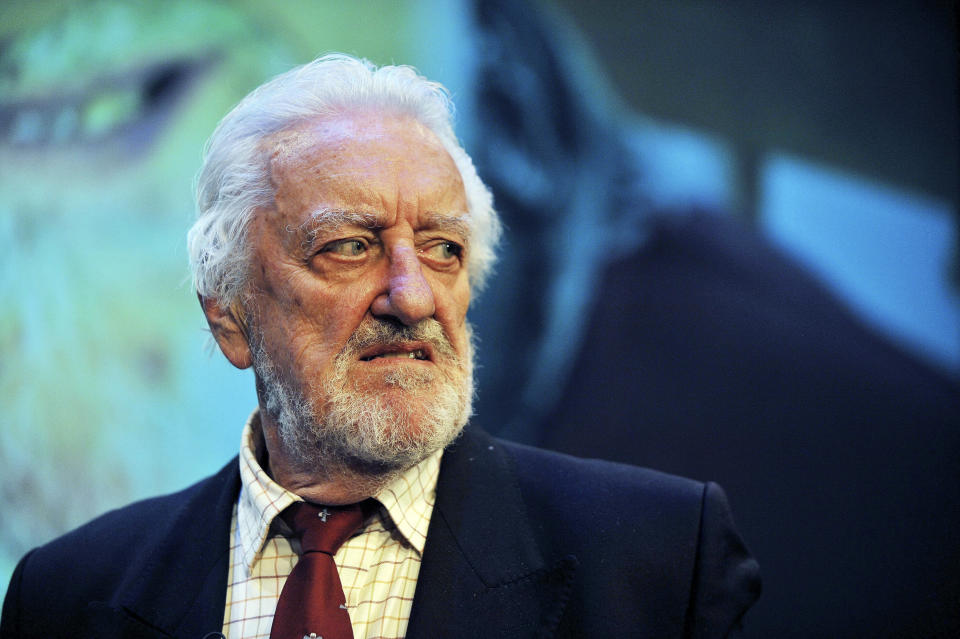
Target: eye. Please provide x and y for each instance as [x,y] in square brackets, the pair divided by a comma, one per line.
[352,247]
[444,252]
[448,250]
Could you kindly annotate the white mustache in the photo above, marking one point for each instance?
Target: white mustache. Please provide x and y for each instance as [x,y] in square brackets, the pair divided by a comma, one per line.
[376,332]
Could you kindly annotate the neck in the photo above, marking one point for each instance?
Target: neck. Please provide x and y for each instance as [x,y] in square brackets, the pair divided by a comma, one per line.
[327,482]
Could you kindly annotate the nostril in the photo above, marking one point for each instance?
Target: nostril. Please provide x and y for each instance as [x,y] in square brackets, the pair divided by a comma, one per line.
[405,302]
[416,299]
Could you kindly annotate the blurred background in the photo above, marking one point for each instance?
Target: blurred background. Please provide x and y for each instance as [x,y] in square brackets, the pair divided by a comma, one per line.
[731,253]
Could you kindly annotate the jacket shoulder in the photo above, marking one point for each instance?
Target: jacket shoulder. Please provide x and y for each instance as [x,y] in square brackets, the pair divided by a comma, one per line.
[599,510]
[628,525]
[565,484]
[109,556]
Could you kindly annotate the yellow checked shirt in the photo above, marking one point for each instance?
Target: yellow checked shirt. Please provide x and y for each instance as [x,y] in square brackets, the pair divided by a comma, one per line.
[378,566]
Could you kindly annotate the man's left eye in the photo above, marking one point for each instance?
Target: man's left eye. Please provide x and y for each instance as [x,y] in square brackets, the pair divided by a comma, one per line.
[445,250]
[349,248]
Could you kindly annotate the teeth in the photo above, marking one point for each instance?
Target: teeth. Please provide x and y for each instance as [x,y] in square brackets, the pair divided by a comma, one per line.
[418,354]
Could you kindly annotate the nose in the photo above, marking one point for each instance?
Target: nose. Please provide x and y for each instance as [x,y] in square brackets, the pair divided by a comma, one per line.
[408,297]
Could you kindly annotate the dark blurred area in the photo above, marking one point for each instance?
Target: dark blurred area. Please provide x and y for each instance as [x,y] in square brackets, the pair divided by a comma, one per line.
[870,87]
[684,339]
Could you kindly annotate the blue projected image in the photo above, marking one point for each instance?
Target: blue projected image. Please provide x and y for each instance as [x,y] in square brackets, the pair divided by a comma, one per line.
[885,251]
[683,167]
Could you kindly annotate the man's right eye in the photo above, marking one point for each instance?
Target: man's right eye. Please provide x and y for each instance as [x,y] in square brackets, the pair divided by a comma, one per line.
[352,247]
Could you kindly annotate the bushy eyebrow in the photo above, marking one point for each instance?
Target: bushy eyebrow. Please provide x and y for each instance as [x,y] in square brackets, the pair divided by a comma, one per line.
[327,220]
[455,224]
[330,220]
[335,218]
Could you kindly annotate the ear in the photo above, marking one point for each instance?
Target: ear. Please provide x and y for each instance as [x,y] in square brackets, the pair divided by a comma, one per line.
[230,331]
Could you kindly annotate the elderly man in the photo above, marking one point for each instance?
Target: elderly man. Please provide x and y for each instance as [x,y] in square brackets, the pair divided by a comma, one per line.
[341,232]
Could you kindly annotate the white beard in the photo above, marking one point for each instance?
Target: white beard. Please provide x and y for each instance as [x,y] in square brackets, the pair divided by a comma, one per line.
[340,428]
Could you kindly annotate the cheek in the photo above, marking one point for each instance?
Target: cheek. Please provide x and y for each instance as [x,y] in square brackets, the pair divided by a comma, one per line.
[455,313]
[331,314]
[460,296]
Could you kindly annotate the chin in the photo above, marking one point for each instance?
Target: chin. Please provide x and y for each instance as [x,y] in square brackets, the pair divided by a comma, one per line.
[396,429]
[411,379]
[373,418]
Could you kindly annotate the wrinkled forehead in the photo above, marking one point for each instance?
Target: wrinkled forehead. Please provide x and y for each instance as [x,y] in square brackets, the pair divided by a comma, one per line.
[357,140]
[366,161]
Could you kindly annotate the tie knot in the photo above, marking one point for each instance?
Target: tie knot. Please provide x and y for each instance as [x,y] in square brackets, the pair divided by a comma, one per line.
[324,528]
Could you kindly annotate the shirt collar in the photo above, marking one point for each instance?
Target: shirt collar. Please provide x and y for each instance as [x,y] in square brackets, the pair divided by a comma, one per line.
[408,500]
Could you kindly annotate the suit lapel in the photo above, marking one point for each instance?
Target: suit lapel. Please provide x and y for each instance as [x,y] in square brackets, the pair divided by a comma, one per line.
[482,571]
[180,590]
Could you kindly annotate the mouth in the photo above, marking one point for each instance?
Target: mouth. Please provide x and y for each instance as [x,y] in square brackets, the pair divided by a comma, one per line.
[415,352]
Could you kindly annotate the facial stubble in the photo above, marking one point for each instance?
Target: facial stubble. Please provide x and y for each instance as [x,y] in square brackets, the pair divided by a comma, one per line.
[336,426]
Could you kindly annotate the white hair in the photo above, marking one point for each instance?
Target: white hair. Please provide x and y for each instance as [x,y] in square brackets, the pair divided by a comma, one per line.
[234,180]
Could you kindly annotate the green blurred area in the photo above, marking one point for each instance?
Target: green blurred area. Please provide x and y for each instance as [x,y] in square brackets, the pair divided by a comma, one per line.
[107,390]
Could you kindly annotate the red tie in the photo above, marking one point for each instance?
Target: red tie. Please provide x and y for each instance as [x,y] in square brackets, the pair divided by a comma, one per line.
[312,603]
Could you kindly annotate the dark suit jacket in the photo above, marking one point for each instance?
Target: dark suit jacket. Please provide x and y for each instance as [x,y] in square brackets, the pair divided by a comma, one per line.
[522,543]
